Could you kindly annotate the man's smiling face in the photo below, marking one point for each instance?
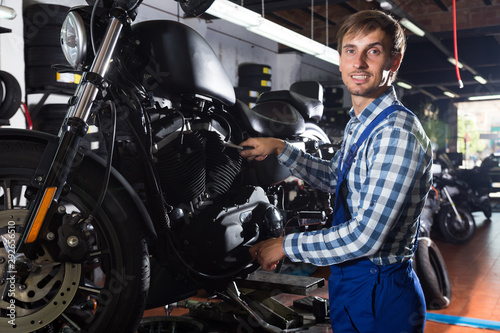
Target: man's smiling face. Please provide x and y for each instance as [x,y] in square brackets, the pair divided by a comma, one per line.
[366,62]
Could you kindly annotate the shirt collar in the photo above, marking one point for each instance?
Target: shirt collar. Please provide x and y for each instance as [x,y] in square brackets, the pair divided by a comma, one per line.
[387,98]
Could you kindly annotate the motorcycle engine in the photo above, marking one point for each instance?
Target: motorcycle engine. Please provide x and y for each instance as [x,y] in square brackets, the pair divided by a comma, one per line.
[195,167]
[215,218]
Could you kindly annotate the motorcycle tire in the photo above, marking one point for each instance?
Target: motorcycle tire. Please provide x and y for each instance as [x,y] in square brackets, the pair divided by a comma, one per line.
[46,36]
[255,70]
[42,15]
[104,292]
[44,56]
[41,79]
[314,132]
[452,230]
[11,96]
[433,274]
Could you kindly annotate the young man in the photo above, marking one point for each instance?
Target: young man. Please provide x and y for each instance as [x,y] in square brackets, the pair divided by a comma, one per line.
[382,187]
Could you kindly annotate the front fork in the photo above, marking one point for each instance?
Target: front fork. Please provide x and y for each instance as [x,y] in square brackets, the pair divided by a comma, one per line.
[453,206]
[72,132]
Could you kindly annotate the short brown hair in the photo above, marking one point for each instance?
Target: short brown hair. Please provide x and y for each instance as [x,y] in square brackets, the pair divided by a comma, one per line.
[367,21]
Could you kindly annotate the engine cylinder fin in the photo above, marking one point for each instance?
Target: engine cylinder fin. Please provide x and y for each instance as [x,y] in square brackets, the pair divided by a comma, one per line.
[223,164]
[182,169]
[200,166]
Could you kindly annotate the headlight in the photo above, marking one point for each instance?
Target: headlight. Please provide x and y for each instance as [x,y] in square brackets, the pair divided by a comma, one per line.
[74,39]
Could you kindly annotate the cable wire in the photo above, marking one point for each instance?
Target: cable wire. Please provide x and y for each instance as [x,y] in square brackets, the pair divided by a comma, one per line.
[457,68]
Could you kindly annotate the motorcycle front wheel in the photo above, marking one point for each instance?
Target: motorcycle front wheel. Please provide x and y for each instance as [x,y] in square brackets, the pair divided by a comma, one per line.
[104,292]
[454,230]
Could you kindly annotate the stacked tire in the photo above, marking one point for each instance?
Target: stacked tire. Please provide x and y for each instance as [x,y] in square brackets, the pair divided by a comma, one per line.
[10,96]
[42,28]
[50,121]
[253,79]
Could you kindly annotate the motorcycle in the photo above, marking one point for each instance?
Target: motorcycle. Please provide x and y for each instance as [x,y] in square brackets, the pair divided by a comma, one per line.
[453,218]
[89,243]
[475,183]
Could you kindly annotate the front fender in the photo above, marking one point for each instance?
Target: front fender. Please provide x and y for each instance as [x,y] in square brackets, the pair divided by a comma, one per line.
[98,162]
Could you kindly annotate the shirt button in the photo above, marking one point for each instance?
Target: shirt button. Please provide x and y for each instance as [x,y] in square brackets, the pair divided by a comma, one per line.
[373,271]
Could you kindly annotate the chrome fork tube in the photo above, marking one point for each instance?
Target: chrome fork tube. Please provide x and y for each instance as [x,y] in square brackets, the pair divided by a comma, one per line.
[72,132]
[87,91]
[453,206]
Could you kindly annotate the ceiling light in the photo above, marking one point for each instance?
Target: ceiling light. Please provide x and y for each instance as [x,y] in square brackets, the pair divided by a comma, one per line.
[412,27]
[233,13]
[450,94]
[7,13]
[452,61]
[480,79]
[483,98]
[330,55]
[404,85]
[287,37]
[385,5]
[255,23]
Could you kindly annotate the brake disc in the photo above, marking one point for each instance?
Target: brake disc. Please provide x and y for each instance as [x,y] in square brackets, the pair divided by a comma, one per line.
[46,292]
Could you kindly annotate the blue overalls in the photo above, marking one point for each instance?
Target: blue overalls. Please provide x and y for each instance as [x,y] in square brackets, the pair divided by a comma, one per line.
[365,297]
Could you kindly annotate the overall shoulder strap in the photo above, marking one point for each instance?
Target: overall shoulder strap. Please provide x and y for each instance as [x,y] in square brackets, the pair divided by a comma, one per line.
[351,154]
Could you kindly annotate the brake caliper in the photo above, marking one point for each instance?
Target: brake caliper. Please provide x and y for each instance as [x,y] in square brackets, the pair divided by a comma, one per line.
[73,240]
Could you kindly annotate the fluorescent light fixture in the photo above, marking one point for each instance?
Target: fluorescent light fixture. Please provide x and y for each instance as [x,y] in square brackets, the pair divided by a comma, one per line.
[287,37]
[449,94]
[480,79]
[452,61]
[233,13]
[7,13]
[255,23]
[330,55]
[385,5]
[484,98]
[412,27]
[404,85]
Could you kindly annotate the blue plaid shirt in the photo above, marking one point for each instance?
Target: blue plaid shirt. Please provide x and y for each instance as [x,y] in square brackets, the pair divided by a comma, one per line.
[388,183]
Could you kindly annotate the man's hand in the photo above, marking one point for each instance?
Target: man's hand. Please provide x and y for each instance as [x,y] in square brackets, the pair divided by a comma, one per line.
[268,253]
[261,148]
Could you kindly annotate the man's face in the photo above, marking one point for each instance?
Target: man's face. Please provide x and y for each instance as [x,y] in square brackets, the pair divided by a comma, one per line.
[366,63]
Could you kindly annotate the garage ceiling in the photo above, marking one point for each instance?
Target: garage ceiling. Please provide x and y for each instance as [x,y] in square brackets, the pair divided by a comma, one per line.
[425,66]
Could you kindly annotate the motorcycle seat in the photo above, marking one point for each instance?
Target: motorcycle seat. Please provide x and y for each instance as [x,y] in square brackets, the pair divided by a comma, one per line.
[309,108]
[273,118]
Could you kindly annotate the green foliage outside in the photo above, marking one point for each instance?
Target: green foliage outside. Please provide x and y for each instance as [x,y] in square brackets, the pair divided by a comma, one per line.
[468,126]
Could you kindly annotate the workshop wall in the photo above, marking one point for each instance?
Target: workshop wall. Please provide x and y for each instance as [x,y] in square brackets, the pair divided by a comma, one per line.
[233,44]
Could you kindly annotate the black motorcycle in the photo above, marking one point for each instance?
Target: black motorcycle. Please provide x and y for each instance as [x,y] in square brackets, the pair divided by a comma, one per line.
[475,185]
[453,217]
[90,242]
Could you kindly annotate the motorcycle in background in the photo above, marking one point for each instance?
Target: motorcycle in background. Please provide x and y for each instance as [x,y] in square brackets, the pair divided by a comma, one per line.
[89,243]
[478,188]
[475,185]
[453,216]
